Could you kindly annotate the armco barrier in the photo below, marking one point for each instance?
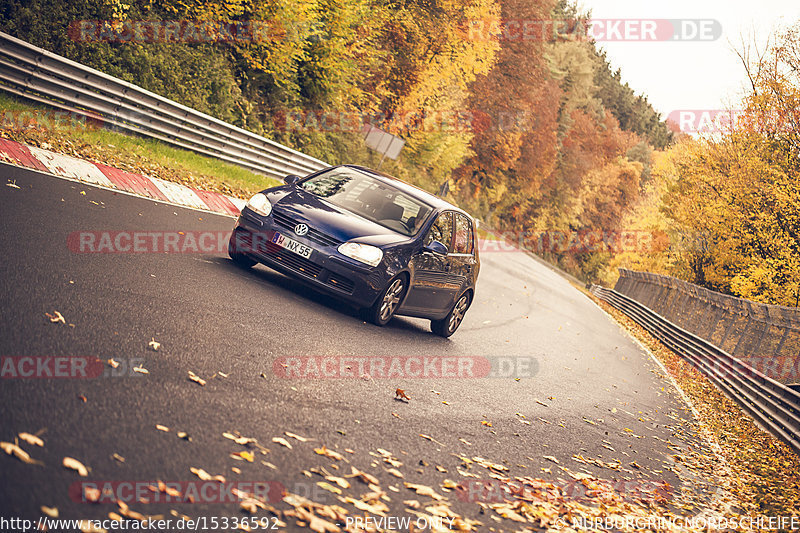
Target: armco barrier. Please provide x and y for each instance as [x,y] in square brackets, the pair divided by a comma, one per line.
[44,77]
[772,404]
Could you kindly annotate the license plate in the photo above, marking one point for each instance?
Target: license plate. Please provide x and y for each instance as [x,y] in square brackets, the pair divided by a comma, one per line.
[292,245]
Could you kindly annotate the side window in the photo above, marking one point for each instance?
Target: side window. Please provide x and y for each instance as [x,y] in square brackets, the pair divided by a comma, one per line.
[463,244]
[442,230]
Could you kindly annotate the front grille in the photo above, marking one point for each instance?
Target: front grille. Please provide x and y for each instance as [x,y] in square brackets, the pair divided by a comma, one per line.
[314,235]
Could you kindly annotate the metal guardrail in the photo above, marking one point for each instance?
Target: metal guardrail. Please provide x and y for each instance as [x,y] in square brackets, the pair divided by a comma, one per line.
[44,77]
[773,405]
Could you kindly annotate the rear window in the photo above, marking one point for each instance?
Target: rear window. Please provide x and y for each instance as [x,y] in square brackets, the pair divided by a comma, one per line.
[463,242]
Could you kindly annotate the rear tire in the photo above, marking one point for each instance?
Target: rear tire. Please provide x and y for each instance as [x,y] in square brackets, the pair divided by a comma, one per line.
[449,324]
[388,302]
[240,259]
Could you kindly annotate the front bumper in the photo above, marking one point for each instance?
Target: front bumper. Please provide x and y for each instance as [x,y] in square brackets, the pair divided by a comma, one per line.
[325,270]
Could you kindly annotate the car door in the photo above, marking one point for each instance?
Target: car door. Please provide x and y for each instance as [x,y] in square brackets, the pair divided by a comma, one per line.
[431,289]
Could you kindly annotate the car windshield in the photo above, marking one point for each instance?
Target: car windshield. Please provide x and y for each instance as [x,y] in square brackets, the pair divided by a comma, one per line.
[370,198]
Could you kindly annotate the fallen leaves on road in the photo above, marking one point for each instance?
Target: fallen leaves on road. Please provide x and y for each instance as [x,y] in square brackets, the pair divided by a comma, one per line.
[295,436]
[400,394]
[388,458]
[74,464]
[428,437]
[162,428]
[363,476]
[197,379]
[329,453]
[56,317]
[19,453]
[112,363]
[91,494]
[52,512]
[282,442]
[246,456]
[31,439]
[140,369]
[329,487]
[153,344]
[205,476]
[423,490]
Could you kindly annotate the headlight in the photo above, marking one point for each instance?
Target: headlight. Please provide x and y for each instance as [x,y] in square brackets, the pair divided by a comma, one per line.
[362,252]
[260,204]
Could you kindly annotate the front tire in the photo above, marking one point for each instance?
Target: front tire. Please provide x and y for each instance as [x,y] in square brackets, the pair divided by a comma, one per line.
[240,259]
[388,302]
[449,324]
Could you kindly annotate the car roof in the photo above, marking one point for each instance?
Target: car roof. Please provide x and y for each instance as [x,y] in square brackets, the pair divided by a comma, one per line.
[412,190]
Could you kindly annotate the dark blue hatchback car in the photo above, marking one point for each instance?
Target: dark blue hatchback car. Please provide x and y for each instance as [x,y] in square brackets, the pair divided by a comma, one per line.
[376,242]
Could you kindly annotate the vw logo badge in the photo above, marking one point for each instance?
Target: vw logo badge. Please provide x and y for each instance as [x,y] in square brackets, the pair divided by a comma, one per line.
[301,229]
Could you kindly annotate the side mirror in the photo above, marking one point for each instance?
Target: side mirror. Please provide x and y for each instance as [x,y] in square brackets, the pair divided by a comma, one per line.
[436,248]
[291,179]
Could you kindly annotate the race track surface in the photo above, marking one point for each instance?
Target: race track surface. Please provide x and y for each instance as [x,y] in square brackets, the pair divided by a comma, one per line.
[593,389]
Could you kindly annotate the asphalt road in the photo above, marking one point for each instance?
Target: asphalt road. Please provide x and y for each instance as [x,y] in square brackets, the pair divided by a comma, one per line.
[592,383]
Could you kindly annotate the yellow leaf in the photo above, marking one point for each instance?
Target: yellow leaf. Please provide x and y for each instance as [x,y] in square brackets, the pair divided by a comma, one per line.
[423,490]
[197,379]
[395,472]
[329,487]
[31,439]
[295,436]
[19,453]
[76,465]
[329,453]
[282,442]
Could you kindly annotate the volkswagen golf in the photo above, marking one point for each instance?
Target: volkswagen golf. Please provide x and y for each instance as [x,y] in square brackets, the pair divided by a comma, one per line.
[384,246]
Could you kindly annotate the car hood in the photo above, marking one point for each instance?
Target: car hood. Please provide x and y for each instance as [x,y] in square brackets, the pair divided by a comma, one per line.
[335,221]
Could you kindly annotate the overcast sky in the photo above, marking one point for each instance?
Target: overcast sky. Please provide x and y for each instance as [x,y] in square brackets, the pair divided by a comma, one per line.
[691,74]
